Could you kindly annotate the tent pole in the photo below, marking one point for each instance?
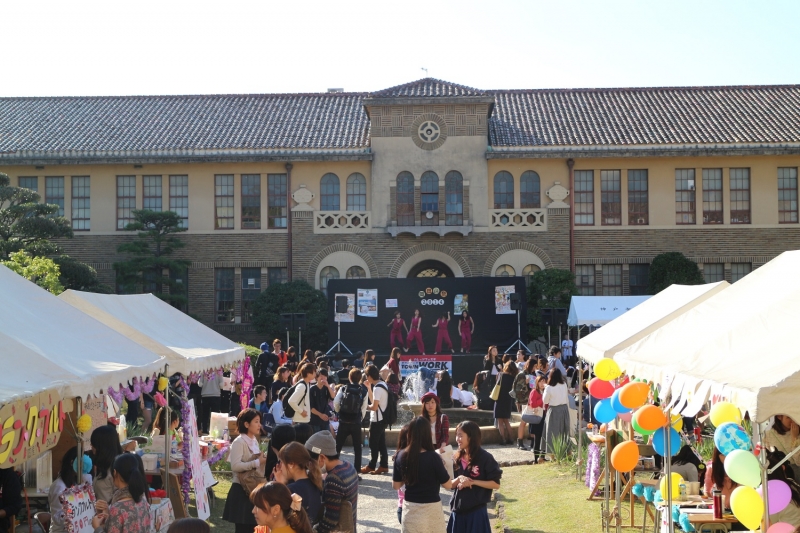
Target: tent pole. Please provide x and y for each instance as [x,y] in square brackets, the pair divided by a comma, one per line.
[668,471]
[607,488]
[762,457]
[578,432]
[167,432]
[79,444]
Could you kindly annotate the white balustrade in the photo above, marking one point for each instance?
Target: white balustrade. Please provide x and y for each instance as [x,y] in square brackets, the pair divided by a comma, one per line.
[342,222]
[518,219]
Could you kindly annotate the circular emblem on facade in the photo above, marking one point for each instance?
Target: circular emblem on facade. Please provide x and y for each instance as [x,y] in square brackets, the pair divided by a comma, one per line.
[302,195]
[429,131]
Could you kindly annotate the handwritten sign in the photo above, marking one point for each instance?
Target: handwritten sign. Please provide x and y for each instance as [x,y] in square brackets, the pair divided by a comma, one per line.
[200,494]
[96,409]
[30,427]
[78,503]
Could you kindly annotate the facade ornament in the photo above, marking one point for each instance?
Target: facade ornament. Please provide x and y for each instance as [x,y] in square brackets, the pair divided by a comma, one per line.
[557,193]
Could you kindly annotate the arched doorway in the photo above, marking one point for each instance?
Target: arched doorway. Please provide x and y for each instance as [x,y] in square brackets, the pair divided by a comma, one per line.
[430,269]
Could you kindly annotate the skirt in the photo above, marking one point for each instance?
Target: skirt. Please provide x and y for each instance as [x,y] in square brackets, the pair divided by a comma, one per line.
[556,425]
[422,518]
[476,521]
[238,508]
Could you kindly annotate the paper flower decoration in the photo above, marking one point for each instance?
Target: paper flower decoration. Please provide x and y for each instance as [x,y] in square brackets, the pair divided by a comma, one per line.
[162,383]
[84,423]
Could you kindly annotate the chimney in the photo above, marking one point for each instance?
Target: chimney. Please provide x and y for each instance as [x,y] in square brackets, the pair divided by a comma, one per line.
[336,90]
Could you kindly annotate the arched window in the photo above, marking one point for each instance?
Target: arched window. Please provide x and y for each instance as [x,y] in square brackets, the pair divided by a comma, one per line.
[505,271]
[405,199]
[503,190]
[327,274]
[356,272]
[329,197]
[529,190]
[528,273]
[356,192]
[429,198]
[454,198]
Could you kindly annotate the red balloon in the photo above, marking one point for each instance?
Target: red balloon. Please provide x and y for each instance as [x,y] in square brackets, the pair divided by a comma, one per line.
[600,389]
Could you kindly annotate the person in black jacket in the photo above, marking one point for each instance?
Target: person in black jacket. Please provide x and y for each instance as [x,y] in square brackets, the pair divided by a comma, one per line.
[266,365]
[10,497]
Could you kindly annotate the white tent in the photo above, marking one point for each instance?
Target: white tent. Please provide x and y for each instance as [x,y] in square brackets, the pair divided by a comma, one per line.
[188,345]
[600,310]
[737,345]
[645,318]
[46,344]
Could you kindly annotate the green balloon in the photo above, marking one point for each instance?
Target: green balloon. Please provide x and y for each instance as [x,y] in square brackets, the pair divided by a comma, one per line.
[743,468]
[639,430]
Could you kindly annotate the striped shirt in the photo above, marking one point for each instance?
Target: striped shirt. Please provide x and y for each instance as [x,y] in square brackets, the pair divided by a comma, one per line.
[341,484]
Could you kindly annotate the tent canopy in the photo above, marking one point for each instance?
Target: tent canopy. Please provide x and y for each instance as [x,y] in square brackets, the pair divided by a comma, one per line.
[187,345]
[46,344]
[645,318]
[600,310]
[738,341]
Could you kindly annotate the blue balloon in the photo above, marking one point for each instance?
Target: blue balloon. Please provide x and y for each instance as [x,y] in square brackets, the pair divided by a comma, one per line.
[729,437]
[604,412]
[660,444]
[618,407]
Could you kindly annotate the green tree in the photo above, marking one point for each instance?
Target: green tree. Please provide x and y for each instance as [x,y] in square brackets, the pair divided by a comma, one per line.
[672,267]
[151,254]
[40,270]
[79,276]
[551,288]
[294,297]
[27,225]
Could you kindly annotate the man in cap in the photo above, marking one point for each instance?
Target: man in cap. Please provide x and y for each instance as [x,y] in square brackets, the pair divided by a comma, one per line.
[341,482]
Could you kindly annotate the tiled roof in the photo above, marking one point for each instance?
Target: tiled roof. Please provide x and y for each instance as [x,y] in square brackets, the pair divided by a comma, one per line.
[647,116]
[427,87]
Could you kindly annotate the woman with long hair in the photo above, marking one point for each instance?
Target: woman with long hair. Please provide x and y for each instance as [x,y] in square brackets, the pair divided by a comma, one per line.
[555,396]
[298,471]
[536,400]
[275,507]
[784,436]
[72,473]
[444,389]
[502,406]
[281,379]
[481,386]
[396,336]
[688,464]
[466,327]
[477,475]
[394,361]
[522,391]
[491,363]
[421,470]
[415,334]
[244,455]
[128,510]
[291,357]
[105,447]
[440,425]
[791,513]
[716,477]
[442,335]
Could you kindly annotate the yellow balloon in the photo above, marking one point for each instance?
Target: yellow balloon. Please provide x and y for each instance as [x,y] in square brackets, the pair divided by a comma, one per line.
[677,479]
[607,369]
[725,412]
[747,506]
[677,422]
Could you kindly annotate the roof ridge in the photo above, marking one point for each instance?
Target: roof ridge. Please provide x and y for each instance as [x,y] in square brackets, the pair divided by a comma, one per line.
[422,82]
[181,96]
[643,89]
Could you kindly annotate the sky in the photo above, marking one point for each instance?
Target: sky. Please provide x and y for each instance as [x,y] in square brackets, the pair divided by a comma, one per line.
[87,48]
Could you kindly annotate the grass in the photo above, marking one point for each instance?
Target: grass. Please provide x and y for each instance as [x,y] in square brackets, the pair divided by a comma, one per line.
[221,494]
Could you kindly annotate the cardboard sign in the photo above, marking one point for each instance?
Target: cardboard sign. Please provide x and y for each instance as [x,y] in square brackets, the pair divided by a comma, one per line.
[410,364]
[78,502]
[95,407]
[200,494]
[30,427]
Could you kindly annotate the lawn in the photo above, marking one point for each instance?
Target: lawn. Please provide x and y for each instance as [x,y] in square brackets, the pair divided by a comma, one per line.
[217,505]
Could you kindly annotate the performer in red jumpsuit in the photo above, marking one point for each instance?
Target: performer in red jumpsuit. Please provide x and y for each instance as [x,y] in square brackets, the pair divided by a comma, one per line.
[397,324]
[442,335]
[466,326]
[414,333]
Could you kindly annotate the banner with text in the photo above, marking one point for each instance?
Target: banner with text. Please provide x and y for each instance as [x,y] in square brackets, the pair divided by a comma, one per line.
[78,503]
[409,364]
[31,426]
[196,459]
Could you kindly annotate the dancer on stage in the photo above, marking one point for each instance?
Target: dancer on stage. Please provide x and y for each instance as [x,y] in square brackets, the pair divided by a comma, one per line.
[398,325]
[466,326]
[442,334]
[415,334]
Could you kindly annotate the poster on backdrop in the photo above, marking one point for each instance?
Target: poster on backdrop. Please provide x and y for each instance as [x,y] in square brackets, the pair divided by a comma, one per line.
[350,315]
[460,304]
[200,493]
[410,364]
[368,302]
[95,407]
[502,300]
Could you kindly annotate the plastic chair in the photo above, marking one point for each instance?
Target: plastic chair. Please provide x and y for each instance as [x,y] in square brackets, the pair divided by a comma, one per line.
[43,519]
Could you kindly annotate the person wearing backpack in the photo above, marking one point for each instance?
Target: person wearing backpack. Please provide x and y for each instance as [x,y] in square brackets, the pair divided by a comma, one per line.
[297,402]
[379,418]
[351,404]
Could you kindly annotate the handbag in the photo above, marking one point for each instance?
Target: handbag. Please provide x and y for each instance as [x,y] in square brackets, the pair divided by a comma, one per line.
[532,415]
[252,478]
[495,395]
[571,402]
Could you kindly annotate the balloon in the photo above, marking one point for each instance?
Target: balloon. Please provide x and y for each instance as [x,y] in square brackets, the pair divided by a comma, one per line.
[781,527]
[603,411]
[677,479]
[638,429]
[634,395]
[743,468]
[607,369]
[730,436]
[722,412]
[626,417]
[778,497]
[677,422]
[650,418]
[660,441]
[600,389]
[747,506]
[625,455]
[618,407]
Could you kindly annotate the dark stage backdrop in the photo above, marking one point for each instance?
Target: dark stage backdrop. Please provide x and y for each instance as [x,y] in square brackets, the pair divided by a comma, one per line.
[433,297]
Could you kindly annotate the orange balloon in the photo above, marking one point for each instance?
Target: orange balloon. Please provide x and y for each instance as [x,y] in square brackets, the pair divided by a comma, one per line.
[634,395]
[650,418]
[624,456]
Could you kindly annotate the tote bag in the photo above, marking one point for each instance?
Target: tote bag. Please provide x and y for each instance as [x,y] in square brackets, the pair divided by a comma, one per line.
[495,395]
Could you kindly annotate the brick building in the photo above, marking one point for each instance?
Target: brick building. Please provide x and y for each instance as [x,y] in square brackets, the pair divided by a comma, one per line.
[427,178]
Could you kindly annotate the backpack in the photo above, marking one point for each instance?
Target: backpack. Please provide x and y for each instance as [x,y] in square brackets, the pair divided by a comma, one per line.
[350,406]
[288,410]
[390,414]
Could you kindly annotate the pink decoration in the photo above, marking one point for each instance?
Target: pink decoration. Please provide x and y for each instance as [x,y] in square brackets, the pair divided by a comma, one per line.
[780,527]
[160,400]
[779,495]
[627,417]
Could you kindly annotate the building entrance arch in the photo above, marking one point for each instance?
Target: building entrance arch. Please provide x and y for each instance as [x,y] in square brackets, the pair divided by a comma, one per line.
[420,258]
[430,268]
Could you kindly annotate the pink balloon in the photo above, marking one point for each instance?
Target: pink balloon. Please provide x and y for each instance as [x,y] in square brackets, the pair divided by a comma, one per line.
[779,495]
[780,527]
[627,417]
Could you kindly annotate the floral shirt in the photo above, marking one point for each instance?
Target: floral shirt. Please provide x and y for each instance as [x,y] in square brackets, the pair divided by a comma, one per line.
[127,516]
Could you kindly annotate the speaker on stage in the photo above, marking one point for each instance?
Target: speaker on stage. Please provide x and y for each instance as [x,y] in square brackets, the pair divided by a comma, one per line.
[547,316]
[560,316]
[341,304]
[286,321]
[515,299]
[300,321]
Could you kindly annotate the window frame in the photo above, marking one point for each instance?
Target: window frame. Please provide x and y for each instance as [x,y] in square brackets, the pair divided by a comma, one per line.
[638,197]
[249,295]
[34,178]
[713,197]
[641,288]
[720,274]
[184,288]
[503,190]
[584,197]
[277,275]
[81,203]
[791,191]
[126,203]
[329,193]
[740,196]
[587,271]
[615,276]
[685,198]
[429,198]
[505,271]
[179,197]
[224,208]
[352,270]
[736,276]
[530,199]
[277,203]
[323,275]
[454,199]
[148,189]
[611,197]
[251,201]
[226,290]
[51,193]
[404,199]
[356,186]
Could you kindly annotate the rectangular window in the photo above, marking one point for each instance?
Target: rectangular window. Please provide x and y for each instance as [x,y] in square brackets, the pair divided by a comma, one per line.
[126,200]
[740,270]
[740,196]
[787,195]
[223,294]
[179,198]
[712,196]
[54,193]
[81,203]
[277,213]
[611,197]
[277,275]
[685,208]
[29,182]
[638,278]
[180,287]
[638,201]
[584,197]
[612,280]
[251,201]
[713,272]
[153,197]
[223,201]
[251,288]
[584,279]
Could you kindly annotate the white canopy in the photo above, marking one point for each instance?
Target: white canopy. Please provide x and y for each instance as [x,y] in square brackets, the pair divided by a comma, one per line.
[46,344]
[188,345]
[645,318]
[600,310]
[736,344]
